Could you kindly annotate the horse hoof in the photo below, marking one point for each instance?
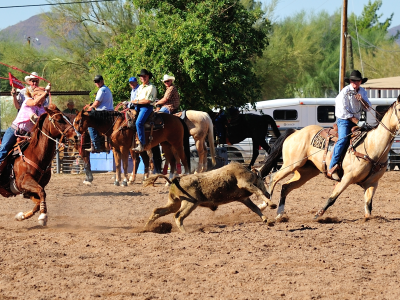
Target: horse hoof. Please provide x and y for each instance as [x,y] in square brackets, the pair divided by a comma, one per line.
[319,214]
[42,219]
[132,179]
[85,182]
[124,183]
[19,216]
[116,183]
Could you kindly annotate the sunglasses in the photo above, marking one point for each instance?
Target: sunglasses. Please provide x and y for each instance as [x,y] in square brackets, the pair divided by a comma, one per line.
[168,80]
[96,81]
[35,80]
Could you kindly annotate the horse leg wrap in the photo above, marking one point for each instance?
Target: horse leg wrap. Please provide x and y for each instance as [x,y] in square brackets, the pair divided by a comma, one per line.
[43,207]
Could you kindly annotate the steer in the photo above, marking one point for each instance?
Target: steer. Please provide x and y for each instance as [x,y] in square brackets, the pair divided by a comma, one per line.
[232,182]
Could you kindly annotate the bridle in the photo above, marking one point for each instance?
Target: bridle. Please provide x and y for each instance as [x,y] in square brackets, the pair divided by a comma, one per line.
[54,122]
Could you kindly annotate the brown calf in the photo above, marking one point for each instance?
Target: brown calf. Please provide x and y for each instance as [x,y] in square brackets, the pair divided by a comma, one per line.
[230,183]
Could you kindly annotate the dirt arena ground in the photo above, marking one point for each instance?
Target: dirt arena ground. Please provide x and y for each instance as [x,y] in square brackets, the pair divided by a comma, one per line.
[94,246]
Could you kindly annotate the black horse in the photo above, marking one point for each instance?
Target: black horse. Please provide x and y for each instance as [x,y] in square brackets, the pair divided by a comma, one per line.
[241,126]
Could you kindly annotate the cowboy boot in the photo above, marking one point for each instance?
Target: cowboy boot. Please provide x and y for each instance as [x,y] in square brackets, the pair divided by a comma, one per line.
[139,148]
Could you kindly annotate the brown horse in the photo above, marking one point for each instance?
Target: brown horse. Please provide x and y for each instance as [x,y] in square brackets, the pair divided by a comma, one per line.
[364,166]
[113,125]
[30,172]
[174,139]
[85,142]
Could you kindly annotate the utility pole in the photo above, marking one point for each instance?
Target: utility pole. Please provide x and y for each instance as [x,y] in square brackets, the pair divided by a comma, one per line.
[343,45]
[350,52]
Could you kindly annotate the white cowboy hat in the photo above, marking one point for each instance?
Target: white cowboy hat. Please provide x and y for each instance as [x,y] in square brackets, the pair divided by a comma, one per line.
[27,78]
[167,77]
[33,75]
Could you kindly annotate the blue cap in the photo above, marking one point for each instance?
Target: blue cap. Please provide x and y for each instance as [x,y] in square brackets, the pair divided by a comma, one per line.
[132,79]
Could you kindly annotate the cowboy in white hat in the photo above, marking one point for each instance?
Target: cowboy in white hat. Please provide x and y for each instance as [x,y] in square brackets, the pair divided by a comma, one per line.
[170,102]
[31,108]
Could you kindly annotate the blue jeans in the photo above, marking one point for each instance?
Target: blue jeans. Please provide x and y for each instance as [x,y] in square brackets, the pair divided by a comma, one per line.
[344,128]
[95,137]
[164,109]
[8,141]
[144,112]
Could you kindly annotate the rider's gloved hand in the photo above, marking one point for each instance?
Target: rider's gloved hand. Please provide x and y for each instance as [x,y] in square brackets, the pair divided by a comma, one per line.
[48,87]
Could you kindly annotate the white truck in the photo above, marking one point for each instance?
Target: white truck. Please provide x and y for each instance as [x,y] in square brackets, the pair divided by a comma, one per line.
[301,112]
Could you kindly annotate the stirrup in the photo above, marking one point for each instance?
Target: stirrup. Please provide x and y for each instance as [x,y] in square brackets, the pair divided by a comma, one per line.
[332,174]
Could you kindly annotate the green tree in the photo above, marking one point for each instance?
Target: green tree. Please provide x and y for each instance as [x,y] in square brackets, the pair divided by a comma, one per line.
[206,44]
[302,57]
[83,31]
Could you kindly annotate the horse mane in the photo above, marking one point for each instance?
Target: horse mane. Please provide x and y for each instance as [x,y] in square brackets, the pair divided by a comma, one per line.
[383,113]
[37,129]
[103,116]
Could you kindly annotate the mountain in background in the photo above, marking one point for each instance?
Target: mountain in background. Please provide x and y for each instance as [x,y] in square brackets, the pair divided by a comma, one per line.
[393,31]
[33,28]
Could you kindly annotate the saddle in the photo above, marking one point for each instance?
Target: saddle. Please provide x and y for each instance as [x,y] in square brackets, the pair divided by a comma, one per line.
[327,138]
[153,122]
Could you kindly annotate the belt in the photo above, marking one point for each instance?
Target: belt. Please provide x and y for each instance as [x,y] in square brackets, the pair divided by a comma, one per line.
[19,130]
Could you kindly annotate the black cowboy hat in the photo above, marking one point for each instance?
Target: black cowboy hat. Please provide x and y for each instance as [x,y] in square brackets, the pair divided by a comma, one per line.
[145,72]
[355,75]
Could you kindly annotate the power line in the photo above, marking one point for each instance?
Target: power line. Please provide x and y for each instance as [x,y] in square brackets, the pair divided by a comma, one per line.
[47,4]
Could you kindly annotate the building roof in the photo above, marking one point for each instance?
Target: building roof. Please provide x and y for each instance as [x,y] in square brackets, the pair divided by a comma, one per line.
[388,83]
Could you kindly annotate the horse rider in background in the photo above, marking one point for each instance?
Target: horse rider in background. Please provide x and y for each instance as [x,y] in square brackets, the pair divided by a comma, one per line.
[351,100]
[134,85]
[145,98]
[103,101]
[31,109]
[170,102]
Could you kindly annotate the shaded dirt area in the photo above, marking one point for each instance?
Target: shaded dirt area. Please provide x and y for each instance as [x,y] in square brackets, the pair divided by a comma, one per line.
[94,246]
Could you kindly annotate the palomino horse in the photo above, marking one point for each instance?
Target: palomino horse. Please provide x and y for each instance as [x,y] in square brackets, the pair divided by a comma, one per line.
[364,167]
[32,167]
[200,127]
[242,126]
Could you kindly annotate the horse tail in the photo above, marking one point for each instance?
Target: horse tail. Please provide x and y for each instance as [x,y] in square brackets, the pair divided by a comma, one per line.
[276,153]
[186,145]
[152,179]
[275,128]
[211,140]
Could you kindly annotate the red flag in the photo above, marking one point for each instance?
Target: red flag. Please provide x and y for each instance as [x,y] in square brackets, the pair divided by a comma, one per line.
[15,82]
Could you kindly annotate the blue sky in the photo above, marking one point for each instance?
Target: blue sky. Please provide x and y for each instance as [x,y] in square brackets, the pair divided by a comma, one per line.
[285,8]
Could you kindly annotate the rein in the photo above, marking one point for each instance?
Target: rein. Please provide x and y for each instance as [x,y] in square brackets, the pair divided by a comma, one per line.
[52,121]
[358,154]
